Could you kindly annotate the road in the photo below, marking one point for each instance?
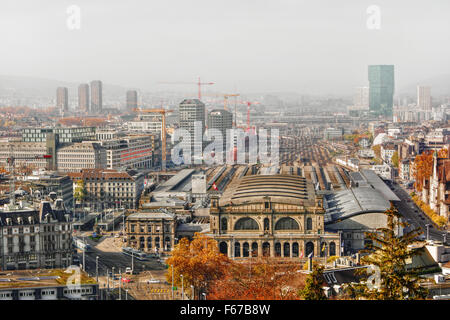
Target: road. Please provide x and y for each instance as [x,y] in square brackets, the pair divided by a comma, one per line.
[107,260]
[414,215]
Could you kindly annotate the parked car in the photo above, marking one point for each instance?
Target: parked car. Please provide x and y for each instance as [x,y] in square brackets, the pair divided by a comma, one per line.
[128,270]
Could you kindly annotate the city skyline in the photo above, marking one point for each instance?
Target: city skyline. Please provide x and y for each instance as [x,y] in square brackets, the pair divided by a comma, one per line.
[286,40]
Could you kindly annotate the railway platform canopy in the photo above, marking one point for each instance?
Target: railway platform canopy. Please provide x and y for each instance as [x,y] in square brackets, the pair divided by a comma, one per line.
[368,196]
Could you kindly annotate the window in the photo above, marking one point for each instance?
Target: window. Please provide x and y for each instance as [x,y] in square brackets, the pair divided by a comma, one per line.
[286,224]
[309,224]
[266,224]
[246,224]
[223,224]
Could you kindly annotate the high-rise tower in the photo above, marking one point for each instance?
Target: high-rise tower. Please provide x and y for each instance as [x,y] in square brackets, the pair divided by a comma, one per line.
[381,89]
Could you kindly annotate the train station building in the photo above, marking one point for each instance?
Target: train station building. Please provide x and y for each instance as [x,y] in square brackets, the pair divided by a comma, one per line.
[271,215]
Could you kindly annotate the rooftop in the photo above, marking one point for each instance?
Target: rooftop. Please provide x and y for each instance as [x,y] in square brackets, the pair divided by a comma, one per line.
[39,278]
[279,187]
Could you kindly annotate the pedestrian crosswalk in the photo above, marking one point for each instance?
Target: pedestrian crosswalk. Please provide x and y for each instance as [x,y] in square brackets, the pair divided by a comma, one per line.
[159,290]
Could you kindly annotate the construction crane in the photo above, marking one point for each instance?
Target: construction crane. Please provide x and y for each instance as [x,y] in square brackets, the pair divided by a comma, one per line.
[162,112]
[225,99]
[11,162]
[199,84]
[248,112]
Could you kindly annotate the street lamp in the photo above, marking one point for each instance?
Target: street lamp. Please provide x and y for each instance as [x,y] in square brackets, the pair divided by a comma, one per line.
[120,285]
[182,288]
[172,281]
[113,284]
[204,295]
[96,268]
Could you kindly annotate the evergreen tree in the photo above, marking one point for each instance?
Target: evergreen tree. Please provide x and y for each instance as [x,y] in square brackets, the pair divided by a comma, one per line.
[388,278]
[313,288]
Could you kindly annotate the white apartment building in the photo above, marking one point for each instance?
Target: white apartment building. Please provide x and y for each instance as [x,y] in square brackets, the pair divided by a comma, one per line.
[78,156]
[387,151]
[19,149]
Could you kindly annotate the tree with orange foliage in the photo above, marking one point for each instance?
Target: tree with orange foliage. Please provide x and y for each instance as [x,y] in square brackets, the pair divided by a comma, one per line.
[443,153]
[423,168]
[260,279]
[200,263]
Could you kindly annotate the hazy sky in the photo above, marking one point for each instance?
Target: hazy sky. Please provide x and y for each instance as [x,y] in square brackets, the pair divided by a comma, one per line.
[253,45]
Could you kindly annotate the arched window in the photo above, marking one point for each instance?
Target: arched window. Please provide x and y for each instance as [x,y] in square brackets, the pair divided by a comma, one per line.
[237,249]
[245,249]
[277,249]
[254,249]
[309,224]
[286,249]
[223,247]
[266,224]
[309,248]
[266,249]
[287,224]
[246,224]
[223,224]
[323,249]
[332,249]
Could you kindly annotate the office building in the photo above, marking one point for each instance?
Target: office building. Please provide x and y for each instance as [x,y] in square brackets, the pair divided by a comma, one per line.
[424,98]
[381,89]
[221,120]
[361,98]
[62,98]
[65,135]
[83,97]
[107,189]
[129,152]
[192,111]
[96,96]
[78,156]
[131,100]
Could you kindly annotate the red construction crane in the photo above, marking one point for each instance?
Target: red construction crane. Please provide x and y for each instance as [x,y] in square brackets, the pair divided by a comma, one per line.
[248,112]
[199,84]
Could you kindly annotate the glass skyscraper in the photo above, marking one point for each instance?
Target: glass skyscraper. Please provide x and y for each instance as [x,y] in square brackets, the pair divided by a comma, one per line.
[381,89]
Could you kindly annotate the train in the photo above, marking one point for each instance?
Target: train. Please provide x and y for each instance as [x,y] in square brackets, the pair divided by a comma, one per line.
[81,244]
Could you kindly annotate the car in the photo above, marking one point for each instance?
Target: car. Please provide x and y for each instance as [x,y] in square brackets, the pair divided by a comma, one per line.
[126,280]
[153,281]
[116,235]
[128,270]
